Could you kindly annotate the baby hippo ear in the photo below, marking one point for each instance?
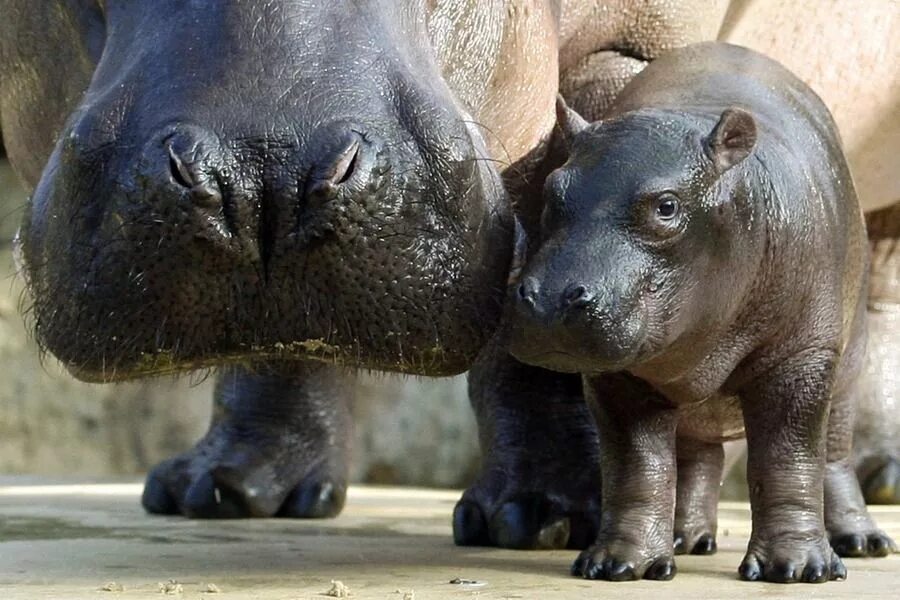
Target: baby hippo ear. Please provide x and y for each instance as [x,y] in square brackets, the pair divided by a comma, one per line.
[731,139]
[570,122]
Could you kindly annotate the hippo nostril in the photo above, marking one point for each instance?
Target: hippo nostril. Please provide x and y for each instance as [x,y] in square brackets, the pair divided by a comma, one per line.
[523,293]
[206,194]
[575,296]
[336,171]
[204,191]
[346,164]
[180,171]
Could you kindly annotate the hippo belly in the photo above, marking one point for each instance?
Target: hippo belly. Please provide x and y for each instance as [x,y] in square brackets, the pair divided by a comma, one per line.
[713,420]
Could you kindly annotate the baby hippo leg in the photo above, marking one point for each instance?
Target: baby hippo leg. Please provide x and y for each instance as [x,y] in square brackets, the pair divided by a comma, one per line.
[785,413]
[699,479]
[637,441]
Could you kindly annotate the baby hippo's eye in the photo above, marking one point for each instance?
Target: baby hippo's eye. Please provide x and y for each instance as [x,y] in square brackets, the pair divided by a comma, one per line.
[667,207]
[662,216]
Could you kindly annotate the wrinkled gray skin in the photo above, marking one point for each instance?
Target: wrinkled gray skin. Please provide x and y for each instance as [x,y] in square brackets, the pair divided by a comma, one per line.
[233,178]
[862,91]
[262,183]
[702,264]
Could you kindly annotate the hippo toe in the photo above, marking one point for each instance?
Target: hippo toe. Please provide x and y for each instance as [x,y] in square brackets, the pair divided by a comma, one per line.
[277,447]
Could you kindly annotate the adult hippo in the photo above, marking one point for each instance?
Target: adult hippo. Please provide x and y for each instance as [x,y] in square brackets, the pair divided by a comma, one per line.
[279,186]
[282,186]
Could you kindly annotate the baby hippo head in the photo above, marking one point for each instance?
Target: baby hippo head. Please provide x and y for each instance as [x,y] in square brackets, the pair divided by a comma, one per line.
[641,244]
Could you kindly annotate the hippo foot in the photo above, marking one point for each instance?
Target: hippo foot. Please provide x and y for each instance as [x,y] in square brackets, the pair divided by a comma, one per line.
[614,563]
[490,514]
[695,542]
[874,543]
[224,477]
[277,446]
[882,484]
[539,487]
[789,559]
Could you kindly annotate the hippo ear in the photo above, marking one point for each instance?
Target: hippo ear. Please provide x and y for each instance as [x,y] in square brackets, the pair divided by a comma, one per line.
[731,139]
[570,122]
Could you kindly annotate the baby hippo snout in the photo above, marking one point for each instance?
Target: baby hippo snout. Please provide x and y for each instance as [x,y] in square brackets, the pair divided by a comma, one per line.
[573,327]
[529,299]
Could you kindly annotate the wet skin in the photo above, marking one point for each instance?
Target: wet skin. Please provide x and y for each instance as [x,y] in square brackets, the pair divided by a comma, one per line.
[266,186]
[294,157]
[269,183]
[702,265]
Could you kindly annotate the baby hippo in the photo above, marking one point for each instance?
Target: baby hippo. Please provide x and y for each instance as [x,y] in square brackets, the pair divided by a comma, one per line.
[702,263]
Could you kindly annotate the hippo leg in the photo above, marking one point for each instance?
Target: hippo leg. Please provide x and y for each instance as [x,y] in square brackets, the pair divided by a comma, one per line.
[539,486]
[785,415]
[278,445]
[700,467]
[638,464]
[877,433]
[850,528]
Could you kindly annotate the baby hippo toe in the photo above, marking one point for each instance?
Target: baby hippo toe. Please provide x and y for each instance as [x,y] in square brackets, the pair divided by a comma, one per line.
[792,561]
[863,544]
[599,562]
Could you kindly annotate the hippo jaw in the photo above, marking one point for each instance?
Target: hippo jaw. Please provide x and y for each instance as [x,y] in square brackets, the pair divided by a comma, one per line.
[183,222]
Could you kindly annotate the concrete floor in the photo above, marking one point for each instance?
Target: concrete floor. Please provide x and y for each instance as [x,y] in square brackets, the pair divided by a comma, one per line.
[69,541]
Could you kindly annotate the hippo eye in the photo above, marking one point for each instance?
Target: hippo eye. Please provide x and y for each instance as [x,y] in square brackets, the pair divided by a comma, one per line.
[667,207]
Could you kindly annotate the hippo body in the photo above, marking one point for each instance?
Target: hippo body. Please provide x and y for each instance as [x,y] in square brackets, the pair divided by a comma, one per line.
[252,185]
[268,96]
[702,264]
[861,87]
[274,186]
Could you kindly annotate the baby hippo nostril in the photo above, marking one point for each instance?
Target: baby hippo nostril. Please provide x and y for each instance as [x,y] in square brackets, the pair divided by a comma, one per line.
[576,296]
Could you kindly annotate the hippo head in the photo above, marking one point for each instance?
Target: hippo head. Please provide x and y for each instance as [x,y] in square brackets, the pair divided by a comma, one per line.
[641,242]
[265,180]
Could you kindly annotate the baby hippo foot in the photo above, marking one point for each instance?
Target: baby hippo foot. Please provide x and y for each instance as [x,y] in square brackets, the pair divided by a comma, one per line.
[790,559]
[619,561]
[694,541]
[275,448]
[528,508]
[871,542]
[699,475]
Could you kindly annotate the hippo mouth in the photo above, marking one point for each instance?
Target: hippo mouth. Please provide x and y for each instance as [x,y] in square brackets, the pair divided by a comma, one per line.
[586,347]
[568,362]
[376,269]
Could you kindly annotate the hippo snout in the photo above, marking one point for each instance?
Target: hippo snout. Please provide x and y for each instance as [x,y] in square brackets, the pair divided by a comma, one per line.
[218,187]
[530,300]
[574,327]
[182,245]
